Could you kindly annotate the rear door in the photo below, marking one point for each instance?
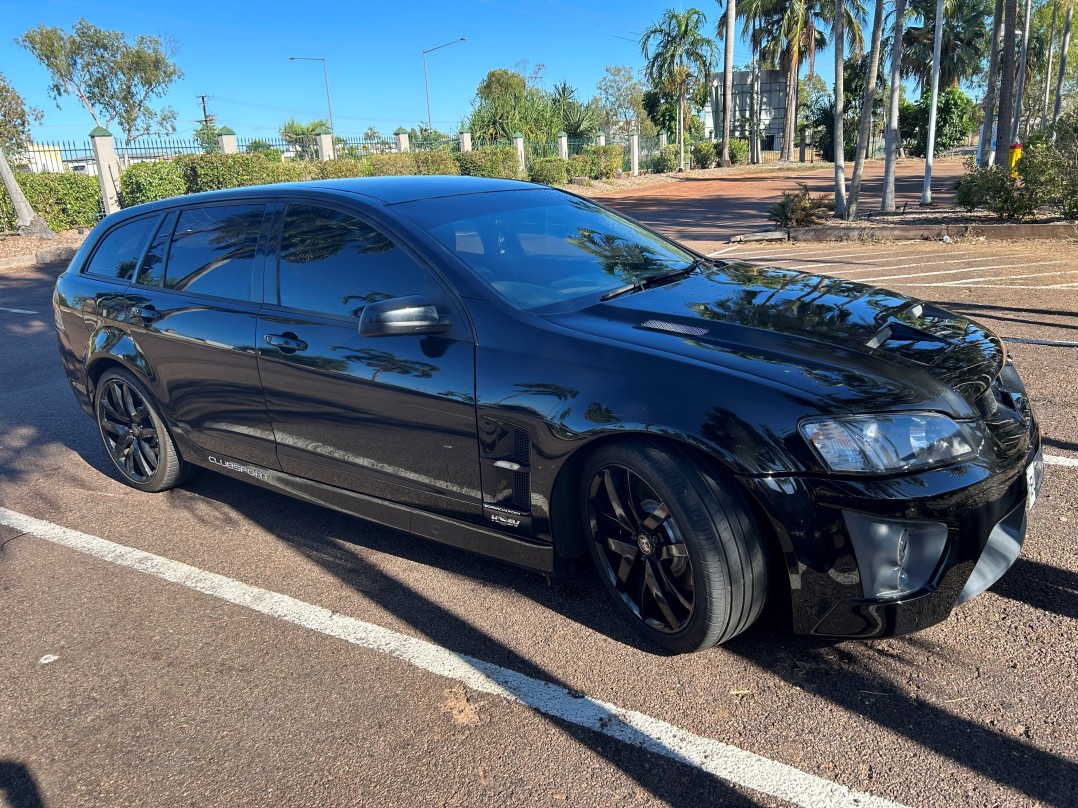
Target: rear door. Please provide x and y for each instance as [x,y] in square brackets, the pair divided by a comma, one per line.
[192,311]
[388,416]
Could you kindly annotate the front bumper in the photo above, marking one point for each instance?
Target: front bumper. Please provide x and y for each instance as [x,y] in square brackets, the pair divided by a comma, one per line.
[984,510]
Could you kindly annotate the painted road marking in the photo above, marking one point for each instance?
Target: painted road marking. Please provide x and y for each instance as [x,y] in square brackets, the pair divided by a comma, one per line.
[1008,277]
[1052,343]
[17,311]
[636,729]
[918,264]
[1056,460]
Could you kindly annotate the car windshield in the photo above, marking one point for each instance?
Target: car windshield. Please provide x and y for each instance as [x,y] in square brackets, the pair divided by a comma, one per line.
[540,247]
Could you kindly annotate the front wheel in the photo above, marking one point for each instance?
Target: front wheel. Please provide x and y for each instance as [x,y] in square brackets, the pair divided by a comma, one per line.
[679,553]
[134,434]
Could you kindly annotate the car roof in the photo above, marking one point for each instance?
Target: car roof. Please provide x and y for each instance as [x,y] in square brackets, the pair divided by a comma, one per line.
[386,190]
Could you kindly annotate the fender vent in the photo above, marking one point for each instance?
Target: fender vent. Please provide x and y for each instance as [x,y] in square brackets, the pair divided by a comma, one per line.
[674,328]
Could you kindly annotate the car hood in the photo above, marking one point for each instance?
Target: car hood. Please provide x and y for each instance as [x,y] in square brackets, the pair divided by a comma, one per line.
[847,340]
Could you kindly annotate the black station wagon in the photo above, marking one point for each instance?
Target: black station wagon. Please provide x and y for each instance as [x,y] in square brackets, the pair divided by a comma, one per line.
[517,371]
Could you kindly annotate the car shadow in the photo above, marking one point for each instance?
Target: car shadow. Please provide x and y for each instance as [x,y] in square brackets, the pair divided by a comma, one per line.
[18,789]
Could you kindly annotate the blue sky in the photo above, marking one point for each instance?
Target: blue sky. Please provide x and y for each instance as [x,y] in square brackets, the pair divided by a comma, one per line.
[236,52]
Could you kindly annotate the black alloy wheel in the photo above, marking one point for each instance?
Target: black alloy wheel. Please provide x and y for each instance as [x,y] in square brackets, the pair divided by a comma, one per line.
[675,544]
[640,549]
[134,435]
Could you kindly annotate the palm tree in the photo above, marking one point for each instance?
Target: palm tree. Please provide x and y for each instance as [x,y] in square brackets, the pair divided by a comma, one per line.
[963,47]
[1064,47]
[1006,83]
[1048,69]
[988,155]
[839,38]
[865,132]
[678,57]
[728,79]
[893,136]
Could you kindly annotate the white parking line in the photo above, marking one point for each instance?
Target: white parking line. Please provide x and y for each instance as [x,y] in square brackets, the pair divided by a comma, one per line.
[17,311]
[1057,460]
[714,757]
[1007,278]
[918,264]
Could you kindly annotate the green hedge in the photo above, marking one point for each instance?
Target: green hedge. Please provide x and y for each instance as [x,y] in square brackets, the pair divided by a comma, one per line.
[64,200]
[549,171]
[584,165]
[148,182]
[393,164]
[668,158]
[490,161]
[704,153]
[436,162]
[608,160]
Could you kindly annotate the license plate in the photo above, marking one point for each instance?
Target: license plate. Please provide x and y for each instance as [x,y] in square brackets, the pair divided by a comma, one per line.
[1034,475]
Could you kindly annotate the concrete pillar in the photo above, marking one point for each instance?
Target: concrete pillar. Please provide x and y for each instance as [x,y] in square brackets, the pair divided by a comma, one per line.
[662,140]
[634,152]
[226,140]
[600,139]
[804,142]
[465,141]
[563,146]
[108,168]
[402,139]
[323,140]
[518,144]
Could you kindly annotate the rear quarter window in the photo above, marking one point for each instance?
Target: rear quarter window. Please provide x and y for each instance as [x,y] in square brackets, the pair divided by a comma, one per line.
[119,252]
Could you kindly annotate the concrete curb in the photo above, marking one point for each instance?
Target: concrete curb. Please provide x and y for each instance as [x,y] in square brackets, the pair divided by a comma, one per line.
[763,235]
[995,232]
[40,258]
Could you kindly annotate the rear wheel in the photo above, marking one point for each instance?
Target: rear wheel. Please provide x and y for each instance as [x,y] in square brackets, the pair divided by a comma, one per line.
[679,553]
[134,435]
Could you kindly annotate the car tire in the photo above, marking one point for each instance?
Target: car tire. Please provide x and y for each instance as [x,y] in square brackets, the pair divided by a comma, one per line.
[675,544]
[134,434]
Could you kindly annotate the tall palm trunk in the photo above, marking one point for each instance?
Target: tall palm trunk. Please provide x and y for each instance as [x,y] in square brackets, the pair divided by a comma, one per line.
[867,100]
[987,153]
[728,81]
[27,222]
[1026,22]
[840,103]
[1006,83]
[1048,69]
[930,151]
[1064,47]
[893,134]
[789,135]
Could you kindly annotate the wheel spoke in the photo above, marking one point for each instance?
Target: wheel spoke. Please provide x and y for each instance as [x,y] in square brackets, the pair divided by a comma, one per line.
[129,402]
[628,553]
[121,447]
[655,518]
[616,501]
[119,430]
[672,587]
[671,551]
[145,458]
[656,588]
[110,408]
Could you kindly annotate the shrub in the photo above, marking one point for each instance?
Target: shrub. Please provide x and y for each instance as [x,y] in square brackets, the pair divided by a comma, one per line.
[148,182]
[393,164]
[739,151]
[608,160]
[704,153]
[1049,166]
[550,171]
[64,200]
[211,172]
[341,168]
[436,162]
[584,165]
[490,161]
[668,159]
[270,171]
[996,189]
[799,208]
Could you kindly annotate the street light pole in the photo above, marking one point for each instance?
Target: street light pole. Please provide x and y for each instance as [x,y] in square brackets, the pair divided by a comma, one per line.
[426,82]
[325,72]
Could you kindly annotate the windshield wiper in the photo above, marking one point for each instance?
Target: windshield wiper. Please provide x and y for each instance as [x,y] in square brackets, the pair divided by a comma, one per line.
[652,281]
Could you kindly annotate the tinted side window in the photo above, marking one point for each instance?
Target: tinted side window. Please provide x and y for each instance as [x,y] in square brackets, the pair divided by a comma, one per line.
[213,250]
[120,250]
[153,265]
[333,263]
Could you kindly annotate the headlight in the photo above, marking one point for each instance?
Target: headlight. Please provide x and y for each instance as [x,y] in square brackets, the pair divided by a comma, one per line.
[888,442]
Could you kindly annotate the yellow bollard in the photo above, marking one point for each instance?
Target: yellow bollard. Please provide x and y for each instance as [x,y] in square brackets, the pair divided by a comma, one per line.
[1016,154]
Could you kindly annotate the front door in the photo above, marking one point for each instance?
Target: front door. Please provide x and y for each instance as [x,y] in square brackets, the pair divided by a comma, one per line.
[389,416]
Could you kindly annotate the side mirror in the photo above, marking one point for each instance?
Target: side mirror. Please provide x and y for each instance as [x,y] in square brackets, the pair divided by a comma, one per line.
[400,316]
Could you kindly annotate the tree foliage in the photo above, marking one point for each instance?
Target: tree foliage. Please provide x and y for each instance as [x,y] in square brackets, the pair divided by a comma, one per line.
[15,119]
[302,137]
[537,114]
[964,47]
[621,102]
[114,79]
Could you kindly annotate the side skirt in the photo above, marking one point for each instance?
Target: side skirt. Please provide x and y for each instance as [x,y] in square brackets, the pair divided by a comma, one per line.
[442,529]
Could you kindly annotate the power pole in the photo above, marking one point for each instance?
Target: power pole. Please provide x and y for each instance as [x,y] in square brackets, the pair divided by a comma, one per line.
[206,117]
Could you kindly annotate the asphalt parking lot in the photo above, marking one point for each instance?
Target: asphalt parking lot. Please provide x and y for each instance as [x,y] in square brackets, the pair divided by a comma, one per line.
[221,644]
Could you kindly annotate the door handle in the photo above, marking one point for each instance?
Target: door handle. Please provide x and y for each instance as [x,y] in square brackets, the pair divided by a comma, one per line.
[147,313]
[287,343]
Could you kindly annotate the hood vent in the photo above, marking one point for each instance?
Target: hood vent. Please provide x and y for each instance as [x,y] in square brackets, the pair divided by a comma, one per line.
[674,328]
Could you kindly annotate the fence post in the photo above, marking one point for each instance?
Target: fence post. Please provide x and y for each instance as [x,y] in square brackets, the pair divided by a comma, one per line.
[226,140]
[518,144]
[108,168]
[600,139]
[465,141]
[323,140]
[563,146]
[804,142]
[634,152]
[402,138]
[662,140]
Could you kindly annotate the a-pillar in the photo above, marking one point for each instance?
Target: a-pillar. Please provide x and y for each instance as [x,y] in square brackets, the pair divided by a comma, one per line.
[108,168]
